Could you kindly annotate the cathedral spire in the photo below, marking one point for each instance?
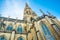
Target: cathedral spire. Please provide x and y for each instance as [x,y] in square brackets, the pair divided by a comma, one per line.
[27,6]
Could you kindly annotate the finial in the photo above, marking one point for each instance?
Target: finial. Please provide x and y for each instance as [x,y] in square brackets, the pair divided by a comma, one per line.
[49,13]
[42,12]
[16,18]
[8,16]
[27,5]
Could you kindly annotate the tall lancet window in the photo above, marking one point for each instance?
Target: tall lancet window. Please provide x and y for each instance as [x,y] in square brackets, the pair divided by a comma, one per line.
[19,29]
[47,32]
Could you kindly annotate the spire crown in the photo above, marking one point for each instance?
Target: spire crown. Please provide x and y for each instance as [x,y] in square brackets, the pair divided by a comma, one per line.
[27,6]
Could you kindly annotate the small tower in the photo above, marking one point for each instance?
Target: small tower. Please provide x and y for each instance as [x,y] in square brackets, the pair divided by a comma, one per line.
[27,13]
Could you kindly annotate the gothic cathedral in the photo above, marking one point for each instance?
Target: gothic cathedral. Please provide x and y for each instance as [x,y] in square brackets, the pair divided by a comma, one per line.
[32,27]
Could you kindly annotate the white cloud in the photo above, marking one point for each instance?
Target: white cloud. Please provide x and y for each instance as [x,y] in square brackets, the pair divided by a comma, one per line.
[13,9]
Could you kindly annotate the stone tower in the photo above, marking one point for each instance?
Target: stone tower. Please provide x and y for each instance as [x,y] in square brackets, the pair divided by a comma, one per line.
[29,14]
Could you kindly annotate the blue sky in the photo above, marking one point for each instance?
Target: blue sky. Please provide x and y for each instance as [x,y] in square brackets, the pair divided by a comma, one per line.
[15,8]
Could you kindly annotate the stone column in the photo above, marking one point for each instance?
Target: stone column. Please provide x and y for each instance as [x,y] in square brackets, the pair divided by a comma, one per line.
[56,21]
[12,35]
[57,31]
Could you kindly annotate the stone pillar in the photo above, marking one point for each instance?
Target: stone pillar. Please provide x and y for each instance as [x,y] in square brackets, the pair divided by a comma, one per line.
[57,30]
[12,35]
[57,22]
[55,33]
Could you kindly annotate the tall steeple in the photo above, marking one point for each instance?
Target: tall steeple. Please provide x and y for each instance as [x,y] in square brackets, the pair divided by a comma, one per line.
[27,9]
[27,13]
[27,6]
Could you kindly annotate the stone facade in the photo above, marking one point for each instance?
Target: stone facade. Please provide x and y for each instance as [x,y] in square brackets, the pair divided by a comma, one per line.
[32,27]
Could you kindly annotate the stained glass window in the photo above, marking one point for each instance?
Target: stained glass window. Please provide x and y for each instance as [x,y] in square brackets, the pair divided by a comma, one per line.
[19,29]
[47,32]
[20,38]
[9,28]
[2,38]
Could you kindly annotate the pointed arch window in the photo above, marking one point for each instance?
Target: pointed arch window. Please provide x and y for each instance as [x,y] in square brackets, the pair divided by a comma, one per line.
[19,29]
[20,38]
[9,28]
[2,38]
[47,32]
